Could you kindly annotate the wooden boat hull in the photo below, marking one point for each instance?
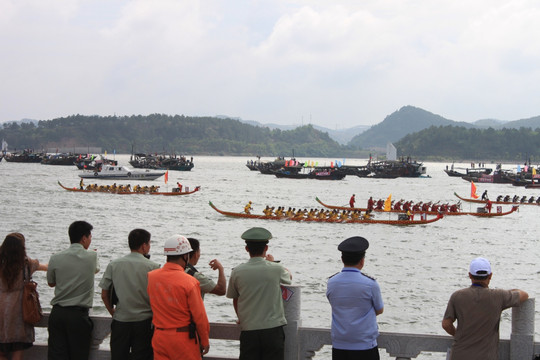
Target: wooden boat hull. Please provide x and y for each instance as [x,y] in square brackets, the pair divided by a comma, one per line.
[132,192]
[385,222]
[479,214]
[495,202]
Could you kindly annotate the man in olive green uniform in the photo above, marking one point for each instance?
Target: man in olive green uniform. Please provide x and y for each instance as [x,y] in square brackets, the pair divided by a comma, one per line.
[255,289]
[71,273]
[131,328]
[207,285]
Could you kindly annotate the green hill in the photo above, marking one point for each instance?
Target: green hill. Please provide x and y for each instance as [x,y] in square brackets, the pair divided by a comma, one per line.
[406,120]
[172,134]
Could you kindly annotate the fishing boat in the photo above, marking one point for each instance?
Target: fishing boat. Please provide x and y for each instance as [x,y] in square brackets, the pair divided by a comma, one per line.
[479,201]
[172,193]
[161,162]
[111,172]
[479,213]
[318,173]
[349,221]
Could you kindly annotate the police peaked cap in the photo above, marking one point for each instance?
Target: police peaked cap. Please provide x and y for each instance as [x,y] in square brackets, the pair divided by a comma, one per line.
[353,244]
[257,235]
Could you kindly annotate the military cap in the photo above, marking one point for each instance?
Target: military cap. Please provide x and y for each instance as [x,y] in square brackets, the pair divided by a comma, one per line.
[353,244]
[257,234]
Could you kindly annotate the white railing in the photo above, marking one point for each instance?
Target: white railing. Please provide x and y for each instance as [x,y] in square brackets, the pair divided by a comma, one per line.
[303,343]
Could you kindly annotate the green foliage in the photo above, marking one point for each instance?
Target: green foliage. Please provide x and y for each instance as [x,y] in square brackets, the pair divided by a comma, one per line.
[459,143]
[406,120]
[173,134]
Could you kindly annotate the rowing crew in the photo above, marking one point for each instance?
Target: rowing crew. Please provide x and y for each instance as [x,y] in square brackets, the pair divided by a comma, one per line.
[516,199]
[405,206]
[317,214]
[122,188]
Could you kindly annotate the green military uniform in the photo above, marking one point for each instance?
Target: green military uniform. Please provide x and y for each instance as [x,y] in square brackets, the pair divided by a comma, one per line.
[129,276]
[72,271]
[255,286]
[131,335]
[206,284]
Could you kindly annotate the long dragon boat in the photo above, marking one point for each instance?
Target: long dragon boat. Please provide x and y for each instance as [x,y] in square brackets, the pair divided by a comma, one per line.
[173,193]
[349,221]
[479,201]
[451,213]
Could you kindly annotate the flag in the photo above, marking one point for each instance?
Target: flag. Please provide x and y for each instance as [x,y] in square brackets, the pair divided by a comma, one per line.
[166,176]
[388,203]
[534,171]
[105,152]
[473,191]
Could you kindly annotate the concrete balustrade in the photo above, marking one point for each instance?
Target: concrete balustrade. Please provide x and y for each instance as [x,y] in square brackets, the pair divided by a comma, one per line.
[303,343]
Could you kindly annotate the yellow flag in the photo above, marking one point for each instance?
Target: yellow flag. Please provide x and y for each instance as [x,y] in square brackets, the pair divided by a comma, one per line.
[388,203]
[105,152]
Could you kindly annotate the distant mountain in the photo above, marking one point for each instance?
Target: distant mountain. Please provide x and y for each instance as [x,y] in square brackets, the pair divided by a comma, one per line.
[342,136]
[406,120]
[487,123]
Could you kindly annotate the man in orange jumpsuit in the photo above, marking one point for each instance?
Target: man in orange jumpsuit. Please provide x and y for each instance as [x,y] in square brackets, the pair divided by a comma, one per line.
[175,299]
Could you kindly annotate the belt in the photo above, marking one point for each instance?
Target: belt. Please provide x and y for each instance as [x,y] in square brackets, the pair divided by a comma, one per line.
[78,308]
[180,329]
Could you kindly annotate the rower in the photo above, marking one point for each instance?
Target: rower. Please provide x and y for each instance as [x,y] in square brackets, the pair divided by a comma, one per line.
[248,208]
[367,215]
[344,216]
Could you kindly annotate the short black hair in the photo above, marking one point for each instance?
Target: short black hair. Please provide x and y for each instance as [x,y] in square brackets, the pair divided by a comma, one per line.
[256,248]
[479,278]
[352,258]
[137,237]
[195,245]
[77,230]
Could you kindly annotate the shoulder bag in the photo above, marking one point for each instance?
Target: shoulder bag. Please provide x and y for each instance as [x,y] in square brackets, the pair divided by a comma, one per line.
[31,308]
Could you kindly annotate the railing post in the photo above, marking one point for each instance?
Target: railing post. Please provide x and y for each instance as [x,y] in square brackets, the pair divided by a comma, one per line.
[522,337]
[292,302]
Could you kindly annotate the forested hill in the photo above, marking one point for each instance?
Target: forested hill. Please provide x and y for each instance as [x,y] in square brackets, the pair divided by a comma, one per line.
[459,143]
[406,120]
[172,134]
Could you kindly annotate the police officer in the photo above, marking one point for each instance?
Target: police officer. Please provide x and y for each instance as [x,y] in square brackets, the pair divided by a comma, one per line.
[356,301]
[255,289]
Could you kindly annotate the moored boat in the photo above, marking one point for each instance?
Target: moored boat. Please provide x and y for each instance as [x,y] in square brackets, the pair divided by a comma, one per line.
[317,173]
[142,192]
[161,162]
[349,221]
[121,173]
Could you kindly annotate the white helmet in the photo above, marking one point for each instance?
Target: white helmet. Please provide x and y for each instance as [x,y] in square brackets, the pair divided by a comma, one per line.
[177,245]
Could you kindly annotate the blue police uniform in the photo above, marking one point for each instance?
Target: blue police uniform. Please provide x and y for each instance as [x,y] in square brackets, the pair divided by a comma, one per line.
[354,298]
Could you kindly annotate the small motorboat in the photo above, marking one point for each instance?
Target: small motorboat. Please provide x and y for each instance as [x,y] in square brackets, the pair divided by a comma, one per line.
[121,173]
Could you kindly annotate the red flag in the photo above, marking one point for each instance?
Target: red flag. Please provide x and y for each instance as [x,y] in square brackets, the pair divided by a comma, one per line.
[166,176]
[473,191]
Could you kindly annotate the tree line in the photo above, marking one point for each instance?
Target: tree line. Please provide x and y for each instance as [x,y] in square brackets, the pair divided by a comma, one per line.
[457,143]
[173,134]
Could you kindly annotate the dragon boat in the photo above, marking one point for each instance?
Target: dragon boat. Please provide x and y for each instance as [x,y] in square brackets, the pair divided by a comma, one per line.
[479,201]
[450,213]
[349,221]
[173,193]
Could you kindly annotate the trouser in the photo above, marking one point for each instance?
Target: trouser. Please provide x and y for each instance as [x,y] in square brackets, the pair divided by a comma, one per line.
[131,340]
[70,333]
[370,354]
[264,344]
[169,344]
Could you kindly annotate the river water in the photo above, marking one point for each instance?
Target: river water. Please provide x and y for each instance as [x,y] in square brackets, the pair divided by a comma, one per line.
[417,267]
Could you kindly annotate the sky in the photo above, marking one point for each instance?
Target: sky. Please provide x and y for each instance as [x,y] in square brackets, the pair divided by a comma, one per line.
[333,63]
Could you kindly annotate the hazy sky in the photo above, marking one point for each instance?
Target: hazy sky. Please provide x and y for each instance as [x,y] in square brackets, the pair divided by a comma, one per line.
[334,63]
